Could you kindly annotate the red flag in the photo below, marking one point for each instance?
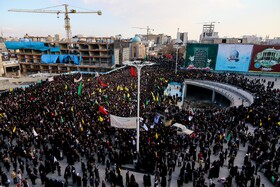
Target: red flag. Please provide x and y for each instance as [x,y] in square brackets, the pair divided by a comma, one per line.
[132,72]
[102,83]
[103,110]
[169,56]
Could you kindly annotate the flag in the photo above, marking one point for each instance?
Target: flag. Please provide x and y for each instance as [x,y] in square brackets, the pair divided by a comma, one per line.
[100,119]
[118,88]
[169,56]
[126,89]
[72,109]
[102,83]
[145,127]
[103,110]
[78,80]
[34,132]
[156,118]
[132,72]
[156,136]
[14,130]
[65,86]
[80,89]
[228,137]
[154,98]
[11,89]
[147,102]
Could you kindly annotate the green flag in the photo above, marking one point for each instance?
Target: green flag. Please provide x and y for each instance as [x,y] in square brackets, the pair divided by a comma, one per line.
[80,88]
[62,120]
[228,137]
[147,102]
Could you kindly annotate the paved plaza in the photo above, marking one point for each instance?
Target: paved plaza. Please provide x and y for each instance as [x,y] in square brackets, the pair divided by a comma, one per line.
[224,172]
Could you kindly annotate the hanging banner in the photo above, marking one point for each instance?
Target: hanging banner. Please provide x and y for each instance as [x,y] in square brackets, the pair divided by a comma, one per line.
[123,122]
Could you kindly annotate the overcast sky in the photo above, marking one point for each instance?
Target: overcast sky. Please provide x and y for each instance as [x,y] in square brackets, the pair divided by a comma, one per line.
[236,17]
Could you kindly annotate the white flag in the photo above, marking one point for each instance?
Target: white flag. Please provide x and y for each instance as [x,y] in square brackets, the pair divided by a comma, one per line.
[34,132]
[145,127]
[78,80]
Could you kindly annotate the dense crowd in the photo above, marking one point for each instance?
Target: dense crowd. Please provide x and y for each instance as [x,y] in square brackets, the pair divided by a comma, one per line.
[52,121]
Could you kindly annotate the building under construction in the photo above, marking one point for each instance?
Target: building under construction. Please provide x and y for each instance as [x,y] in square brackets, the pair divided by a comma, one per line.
[47,55]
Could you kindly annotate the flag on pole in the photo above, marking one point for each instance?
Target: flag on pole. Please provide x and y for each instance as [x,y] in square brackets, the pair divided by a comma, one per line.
[169,56]
[100,119]
[156,136]
[228,137]
[103,110]
[102,83]
[34,132]
[78,80]
[132,72]
[154,98]
[80,88]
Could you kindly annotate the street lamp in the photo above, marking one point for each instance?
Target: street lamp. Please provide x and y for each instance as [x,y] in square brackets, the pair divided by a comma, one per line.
[138,65]
[177,45]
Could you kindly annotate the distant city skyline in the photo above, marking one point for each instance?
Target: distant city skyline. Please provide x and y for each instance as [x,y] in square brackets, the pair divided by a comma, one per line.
[236,17]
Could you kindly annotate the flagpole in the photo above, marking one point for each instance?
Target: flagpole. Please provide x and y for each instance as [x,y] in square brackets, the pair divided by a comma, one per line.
[138,109]
[177,45]
[138,65]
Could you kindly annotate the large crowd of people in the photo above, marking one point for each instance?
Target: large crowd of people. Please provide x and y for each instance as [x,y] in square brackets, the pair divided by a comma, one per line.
[67,120]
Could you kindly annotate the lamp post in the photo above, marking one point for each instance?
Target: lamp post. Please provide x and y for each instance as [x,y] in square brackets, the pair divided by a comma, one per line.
[138,65]
[177,45]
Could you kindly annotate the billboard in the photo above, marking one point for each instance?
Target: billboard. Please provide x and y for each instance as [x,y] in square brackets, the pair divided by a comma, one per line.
[201,55]
[265,58]
[234,57]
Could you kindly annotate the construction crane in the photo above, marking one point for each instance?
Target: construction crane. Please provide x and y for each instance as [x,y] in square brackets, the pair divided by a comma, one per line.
[148,29]
[66,13]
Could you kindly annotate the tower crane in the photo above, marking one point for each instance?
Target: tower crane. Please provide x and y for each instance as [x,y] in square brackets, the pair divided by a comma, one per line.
[66,13]
[148,29]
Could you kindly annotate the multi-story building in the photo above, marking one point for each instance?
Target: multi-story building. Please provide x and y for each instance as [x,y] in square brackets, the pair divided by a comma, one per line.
[183,36]
[45,54]
[223,40]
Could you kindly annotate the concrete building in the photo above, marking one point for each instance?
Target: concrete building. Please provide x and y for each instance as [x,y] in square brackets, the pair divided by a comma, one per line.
[91,54]
[182,36]
[208,33]
[121,50]
[224,40]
